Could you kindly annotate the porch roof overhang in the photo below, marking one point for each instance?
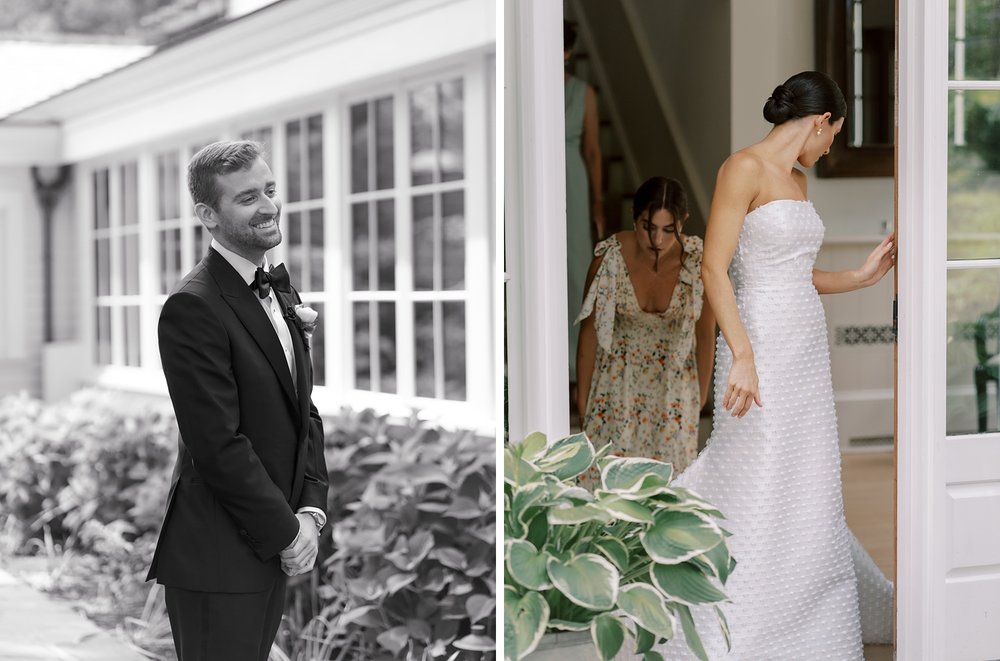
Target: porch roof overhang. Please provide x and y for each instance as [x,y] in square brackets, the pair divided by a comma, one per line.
[280,54]
[30,144]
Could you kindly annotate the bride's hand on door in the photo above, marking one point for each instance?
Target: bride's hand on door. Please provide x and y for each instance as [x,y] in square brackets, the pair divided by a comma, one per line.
[742,390]
[878,263]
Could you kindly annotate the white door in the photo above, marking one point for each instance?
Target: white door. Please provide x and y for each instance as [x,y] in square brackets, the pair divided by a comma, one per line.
[948,600]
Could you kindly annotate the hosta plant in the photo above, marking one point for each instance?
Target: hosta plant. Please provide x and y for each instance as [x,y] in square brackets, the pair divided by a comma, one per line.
[626,561]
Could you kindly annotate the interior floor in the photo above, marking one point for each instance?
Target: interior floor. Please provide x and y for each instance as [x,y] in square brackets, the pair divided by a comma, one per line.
[868,480]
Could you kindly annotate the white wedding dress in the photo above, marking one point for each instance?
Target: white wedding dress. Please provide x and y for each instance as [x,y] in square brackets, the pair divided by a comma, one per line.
[775,473]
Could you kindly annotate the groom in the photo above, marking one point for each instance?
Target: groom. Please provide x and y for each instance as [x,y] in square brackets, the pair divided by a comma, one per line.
[249,489]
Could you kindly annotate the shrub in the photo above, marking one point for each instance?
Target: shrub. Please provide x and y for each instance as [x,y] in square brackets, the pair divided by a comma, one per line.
[626,560]
[89,459]
[412,572]
[983,134]
[408,568]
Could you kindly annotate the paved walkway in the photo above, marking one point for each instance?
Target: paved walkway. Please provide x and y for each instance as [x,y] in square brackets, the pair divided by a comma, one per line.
[34,626]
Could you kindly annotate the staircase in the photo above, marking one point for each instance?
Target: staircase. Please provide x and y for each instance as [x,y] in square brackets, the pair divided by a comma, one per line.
[636,140]
[620,178]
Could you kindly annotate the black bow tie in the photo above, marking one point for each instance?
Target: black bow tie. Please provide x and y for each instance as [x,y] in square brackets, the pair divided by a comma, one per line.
[277,277]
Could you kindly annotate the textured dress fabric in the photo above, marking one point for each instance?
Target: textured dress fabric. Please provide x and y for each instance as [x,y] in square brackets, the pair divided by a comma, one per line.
[644,394]
[578,242]
[775,473]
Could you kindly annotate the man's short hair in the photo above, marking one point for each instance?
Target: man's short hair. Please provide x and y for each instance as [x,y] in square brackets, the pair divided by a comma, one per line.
[219,158]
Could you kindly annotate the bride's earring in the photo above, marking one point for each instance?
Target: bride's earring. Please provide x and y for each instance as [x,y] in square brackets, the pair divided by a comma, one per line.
[819,131]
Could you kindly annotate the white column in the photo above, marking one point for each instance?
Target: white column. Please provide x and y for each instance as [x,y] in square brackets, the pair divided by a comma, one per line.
[535,218]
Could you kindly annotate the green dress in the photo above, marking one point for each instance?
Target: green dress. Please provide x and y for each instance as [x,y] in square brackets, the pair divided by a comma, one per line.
[579,250]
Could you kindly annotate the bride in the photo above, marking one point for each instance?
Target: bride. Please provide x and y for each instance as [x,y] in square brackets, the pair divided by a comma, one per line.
[804,587]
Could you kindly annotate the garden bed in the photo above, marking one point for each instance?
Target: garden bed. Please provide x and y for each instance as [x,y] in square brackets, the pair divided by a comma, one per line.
[406,569]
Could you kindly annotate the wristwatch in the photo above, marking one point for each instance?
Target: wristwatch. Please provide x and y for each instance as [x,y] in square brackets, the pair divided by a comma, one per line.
[318,519]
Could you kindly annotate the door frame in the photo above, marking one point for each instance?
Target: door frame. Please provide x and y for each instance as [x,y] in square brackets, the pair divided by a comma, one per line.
[921,193]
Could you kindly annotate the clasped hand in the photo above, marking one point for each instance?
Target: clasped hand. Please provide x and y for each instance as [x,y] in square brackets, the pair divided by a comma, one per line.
[300,556]
[742,390]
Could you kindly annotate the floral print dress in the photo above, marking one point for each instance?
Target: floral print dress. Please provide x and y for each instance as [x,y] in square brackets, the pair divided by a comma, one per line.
[644,394]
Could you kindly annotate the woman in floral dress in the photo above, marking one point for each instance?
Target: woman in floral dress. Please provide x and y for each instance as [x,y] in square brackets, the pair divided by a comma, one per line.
[647,337]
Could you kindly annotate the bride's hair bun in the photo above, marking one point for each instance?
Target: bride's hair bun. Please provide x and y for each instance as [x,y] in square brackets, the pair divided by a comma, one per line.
[780,106]
[806,93]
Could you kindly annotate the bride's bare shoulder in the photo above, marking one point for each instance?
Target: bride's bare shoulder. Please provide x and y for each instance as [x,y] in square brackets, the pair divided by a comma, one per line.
[744,163]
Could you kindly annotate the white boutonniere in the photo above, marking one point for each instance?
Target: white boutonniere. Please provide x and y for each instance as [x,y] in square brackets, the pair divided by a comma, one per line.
[305,319]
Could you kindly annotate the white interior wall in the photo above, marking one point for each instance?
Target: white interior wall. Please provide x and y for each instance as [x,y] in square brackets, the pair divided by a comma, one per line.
[779,35]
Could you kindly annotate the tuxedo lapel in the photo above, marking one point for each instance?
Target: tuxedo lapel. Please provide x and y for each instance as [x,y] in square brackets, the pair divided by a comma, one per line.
[303,370]
[303,365]
[251,314]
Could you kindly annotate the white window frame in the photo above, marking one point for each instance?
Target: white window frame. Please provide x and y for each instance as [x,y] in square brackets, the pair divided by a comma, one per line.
[478,410]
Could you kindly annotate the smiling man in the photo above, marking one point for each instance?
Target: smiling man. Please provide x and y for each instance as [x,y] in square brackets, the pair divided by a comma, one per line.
[249,487]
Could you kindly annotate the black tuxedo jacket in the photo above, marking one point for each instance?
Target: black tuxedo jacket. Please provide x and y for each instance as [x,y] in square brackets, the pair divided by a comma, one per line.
[250,451]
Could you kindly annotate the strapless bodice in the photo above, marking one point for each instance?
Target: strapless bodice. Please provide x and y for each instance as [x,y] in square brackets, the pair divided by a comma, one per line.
[778,245]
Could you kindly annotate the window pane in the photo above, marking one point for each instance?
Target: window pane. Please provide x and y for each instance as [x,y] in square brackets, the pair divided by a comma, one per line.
[423,330]
[168,206]
[293,148]
[130,264]
[102,266]
[423,151]
[360,246]
[453,313]
[130,194]
[316,250]
[132,341]
[384,144]
[974,175]
[453,240]
[977,57]
[101,199]
[362,346]
[423,242]
[973,350]
[387,347]
[102,348]
[170,259]
[386,210]
[317,347]
[359,148]
[296,251]
[314,129]
[452,123]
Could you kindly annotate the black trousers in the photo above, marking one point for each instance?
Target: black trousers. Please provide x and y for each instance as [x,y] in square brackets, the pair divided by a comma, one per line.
[214,626]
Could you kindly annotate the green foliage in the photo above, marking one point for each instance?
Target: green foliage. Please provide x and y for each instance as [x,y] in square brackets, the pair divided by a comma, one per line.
[983,133]
[624,561]
[982,39]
